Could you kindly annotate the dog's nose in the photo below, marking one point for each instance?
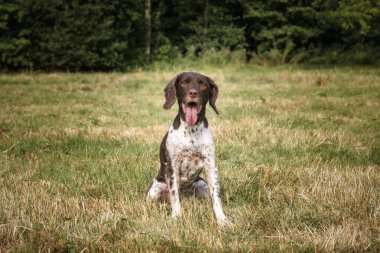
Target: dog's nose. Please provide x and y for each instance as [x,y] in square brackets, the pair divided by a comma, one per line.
[193,93]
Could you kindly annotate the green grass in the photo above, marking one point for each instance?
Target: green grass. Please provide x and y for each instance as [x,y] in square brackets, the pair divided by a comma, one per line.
[297,150]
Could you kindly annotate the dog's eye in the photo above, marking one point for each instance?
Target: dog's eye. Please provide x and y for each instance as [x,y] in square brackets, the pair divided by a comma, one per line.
[184,84]
[203,86]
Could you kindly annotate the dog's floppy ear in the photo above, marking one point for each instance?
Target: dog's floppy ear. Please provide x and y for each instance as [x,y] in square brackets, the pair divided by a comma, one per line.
[170,94]
[214,94]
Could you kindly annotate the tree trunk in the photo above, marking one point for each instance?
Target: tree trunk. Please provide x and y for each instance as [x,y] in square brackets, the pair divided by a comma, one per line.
[148,27]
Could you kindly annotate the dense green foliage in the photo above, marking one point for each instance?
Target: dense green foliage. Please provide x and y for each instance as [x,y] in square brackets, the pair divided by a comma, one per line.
[108,35]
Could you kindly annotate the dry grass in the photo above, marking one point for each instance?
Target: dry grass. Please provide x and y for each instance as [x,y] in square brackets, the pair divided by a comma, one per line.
[298,152]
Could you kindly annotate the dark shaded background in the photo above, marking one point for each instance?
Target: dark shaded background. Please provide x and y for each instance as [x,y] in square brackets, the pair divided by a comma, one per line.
[105,35]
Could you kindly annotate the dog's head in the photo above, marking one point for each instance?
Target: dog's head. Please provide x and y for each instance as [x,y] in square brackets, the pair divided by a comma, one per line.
[193,91]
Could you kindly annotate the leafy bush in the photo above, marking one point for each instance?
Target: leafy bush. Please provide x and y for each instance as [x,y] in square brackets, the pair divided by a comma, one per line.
[111,35]
[360,55]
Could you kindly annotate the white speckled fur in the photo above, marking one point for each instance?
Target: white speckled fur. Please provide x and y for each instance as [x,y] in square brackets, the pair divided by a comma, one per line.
[191,149]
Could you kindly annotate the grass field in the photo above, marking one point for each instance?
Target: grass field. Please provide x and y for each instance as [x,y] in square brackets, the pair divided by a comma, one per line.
[298,150]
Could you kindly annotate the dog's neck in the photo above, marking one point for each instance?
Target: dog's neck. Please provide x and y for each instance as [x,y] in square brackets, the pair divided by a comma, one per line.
[180,121]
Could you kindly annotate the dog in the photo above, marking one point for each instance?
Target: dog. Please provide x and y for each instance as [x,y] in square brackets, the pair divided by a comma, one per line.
[188,147]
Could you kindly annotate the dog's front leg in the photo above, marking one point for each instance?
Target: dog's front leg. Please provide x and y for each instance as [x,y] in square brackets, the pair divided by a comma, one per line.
[173,183]
[211,173]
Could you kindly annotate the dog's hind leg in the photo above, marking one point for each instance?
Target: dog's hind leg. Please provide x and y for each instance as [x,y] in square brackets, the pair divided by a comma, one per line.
[157,191]
[199,189]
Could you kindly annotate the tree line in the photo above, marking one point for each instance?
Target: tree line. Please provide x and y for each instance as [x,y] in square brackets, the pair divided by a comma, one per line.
[104,35]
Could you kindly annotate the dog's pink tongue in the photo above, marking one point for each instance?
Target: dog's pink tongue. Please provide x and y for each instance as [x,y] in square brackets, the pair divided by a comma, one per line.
[191,115]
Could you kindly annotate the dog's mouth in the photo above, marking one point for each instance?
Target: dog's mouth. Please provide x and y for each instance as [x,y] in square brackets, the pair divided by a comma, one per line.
[191,110]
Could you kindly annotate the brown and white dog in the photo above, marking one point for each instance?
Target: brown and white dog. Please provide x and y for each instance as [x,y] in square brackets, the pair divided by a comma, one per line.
[188,147]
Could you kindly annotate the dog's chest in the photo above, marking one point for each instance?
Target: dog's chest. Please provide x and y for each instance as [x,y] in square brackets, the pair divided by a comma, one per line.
[189,149]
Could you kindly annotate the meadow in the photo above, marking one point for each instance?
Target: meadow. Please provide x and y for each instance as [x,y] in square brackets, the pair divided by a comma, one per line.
[298,152]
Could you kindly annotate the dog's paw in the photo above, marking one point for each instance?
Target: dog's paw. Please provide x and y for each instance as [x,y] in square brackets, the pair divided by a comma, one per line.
[176,216]
[225,223]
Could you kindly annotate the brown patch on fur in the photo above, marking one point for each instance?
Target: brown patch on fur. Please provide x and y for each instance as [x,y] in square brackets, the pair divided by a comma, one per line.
[206,90]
